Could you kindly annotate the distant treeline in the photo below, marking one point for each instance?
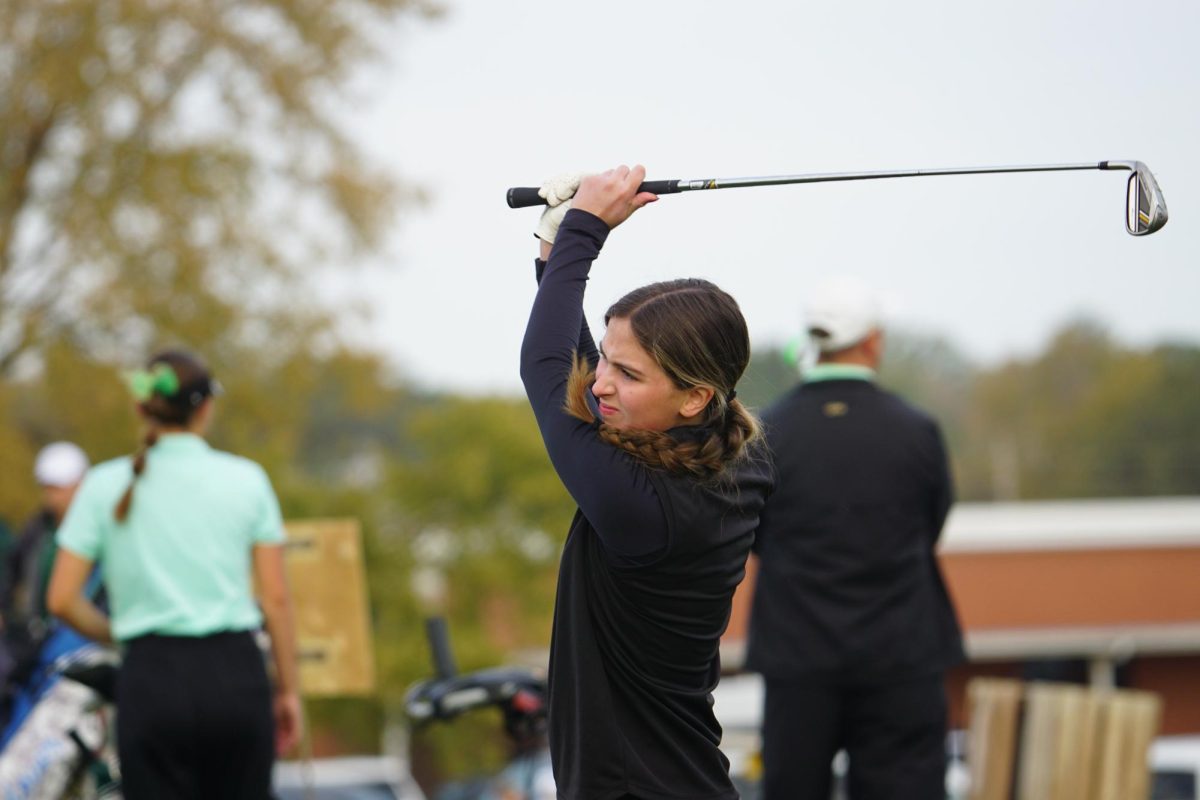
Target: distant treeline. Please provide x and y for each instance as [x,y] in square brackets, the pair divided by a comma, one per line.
[1086,417]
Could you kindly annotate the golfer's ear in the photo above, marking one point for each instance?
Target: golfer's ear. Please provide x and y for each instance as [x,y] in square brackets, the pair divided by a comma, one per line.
[695,401]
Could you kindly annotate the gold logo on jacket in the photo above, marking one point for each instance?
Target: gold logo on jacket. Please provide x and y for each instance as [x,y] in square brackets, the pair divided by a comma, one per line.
[836,409]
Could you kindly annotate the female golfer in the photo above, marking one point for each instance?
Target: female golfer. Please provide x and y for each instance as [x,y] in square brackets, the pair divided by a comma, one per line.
[669,483]
[178,531]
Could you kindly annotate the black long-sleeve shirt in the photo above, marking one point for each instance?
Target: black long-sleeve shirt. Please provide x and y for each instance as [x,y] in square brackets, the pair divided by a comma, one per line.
[646,578]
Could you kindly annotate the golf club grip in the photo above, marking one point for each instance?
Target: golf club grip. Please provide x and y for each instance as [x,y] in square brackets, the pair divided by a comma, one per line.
[526,196]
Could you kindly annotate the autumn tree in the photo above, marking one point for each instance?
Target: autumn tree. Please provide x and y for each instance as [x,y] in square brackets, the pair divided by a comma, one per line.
[170,169]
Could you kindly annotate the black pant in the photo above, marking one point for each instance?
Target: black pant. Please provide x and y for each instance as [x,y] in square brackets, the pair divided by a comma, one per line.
[895,735]
[194,719]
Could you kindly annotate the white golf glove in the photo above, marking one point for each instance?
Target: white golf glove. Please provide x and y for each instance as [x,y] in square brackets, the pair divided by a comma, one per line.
[557,192]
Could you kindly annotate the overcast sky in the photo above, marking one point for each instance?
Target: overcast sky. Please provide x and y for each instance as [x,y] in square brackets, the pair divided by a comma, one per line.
[497,94]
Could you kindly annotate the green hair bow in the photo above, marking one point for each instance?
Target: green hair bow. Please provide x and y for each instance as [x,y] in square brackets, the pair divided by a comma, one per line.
[144,383]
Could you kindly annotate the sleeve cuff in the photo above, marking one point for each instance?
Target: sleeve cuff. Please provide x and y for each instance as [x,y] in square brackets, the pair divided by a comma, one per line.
[585,223]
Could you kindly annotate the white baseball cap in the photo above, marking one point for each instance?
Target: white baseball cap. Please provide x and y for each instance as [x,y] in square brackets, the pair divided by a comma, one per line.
[840,312]
[60,464]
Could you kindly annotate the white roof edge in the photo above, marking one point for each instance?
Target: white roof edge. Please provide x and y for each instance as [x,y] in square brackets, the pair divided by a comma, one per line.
[1114,523]
[1118,642]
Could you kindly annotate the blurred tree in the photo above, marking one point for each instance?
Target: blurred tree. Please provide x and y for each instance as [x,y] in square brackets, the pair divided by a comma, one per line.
[1020,412]
[73,399]
[1085,418]
[930,372]
[486,516]
[18,494]
[168,168]
[1165,423]
[927,370]
[490,514]
[771,372]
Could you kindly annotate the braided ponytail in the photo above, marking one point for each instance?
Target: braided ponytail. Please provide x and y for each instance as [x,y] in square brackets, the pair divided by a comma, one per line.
[169,392]
[139,466]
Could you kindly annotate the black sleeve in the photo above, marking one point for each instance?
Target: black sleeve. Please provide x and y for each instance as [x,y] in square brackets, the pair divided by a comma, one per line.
[613,490]
[943,488]
[586,346]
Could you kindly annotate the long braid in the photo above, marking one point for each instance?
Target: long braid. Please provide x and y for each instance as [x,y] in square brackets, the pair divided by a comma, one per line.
[705,459]
[139,466]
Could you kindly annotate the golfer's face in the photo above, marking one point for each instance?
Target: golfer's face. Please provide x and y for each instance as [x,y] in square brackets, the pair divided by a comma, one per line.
[631,388]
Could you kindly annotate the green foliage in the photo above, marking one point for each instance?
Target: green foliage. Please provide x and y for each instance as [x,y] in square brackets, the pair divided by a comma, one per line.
[488,511]
[769,374]
[483,517]
[18,493]
[1089,418]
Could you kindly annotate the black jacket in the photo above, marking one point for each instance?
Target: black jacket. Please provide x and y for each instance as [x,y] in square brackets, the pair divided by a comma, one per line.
[849,587]
[23,585]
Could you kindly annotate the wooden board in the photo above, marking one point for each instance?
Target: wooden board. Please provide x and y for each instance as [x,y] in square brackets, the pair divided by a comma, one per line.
[329,592]
[1129,721]
[1058,740]
[994,705]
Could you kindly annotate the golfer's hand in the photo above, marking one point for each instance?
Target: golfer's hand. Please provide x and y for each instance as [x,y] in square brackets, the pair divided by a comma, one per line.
[613,195]
[557,193]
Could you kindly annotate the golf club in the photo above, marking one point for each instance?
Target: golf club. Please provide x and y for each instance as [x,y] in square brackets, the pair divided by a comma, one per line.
[1145,208]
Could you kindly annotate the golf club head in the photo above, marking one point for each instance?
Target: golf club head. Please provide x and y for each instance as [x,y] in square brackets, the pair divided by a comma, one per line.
[1145,208]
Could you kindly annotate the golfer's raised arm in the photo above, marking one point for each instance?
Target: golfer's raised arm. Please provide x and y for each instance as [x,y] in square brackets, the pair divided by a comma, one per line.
[611,489]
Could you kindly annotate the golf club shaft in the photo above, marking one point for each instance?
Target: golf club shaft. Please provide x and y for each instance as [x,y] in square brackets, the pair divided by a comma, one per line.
[522,197]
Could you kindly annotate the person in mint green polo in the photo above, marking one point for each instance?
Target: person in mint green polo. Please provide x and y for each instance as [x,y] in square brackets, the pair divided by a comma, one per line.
[851,626]
[180,532]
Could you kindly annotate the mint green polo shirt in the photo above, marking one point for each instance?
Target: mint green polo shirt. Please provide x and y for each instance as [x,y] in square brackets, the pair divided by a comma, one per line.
[180,564]
[837,372]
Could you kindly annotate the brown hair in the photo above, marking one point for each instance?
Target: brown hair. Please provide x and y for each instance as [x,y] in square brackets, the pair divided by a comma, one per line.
[697,334]
[175,409]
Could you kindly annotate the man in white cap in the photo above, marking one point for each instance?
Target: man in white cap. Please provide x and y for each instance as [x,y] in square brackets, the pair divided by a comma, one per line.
[852,627]
[33,638]
[58,469]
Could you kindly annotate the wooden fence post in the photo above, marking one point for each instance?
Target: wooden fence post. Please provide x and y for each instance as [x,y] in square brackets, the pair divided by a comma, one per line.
[992,705]
[1058,740]
[1129,721]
